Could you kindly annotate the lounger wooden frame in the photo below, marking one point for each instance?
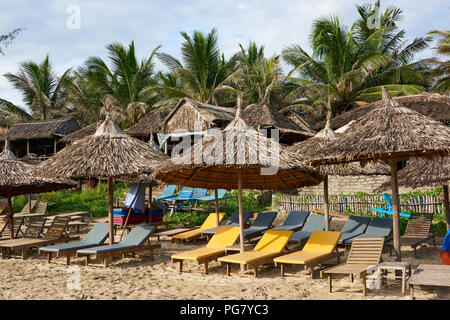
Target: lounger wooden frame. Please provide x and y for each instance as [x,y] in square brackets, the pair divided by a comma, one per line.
[365,252]
[205,261]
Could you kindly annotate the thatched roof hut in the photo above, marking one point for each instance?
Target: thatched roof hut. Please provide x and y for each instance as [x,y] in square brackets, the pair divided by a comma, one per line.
[298,119]
[151,124]
[80,134]
[263,116]
[432,105]
[188,111]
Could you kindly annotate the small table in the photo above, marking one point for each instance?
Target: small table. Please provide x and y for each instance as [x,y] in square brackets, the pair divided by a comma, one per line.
[396,266]
[430,275]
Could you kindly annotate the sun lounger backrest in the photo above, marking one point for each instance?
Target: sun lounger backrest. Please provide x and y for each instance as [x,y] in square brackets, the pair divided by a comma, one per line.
[224,237]
[365,251]
[138,235]
[186,192]
[273,241]
[322,241]
[296,218]
[314,222]
[356,224]
[380,227]
[168,191]
[211,221]
[199,192]
[41,207]
[57,228]
[235,217]
[388,199]
[418,227]
[26,208]
[97,234]
[264,219]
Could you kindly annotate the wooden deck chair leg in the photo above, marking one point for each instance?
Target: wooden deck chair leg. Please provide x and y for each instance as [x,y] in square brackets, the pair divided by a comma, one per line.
[49,257]
[255,270]
[181,266]
[330,282]
[105,262]
[24,253]
[363,278]
[228,265]
[351,277]
[206,267]
[282,269]
[87,260]
[68,260]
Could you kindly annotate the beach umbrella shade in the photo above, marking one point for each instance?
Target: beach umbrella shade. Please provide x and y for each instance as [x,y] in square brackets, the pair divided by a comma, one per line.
[393,133]
[425,172]
[108,154]
[312,148]
[237,157]
[17,178]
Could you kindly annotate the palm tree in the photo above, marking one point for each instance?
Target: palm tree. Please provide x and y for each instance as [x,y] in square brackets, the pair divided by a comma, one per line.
[125,82]
[440,75]
[43,92]
[351,64]
[202,71]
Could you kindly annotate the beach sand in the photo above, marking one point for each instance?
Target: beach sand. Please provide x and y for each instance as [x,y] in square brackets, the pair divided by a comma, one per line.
[139,278]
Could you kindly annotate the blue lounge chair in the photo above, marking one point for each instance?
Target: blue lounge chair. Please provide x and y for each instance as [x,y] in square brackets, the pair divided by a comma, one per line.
[95,237]
[220,195]
[232,222]
[294,221]
[184,194]
[354,226]
[132,243]
[261,224]
[168,192]
[387,209]
[378,228]
[314,222]
[199,193]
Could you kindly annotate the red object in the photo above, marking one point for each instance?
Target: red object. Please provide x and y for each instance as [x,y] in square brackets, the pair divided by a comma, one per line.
[131,220]
[445,257]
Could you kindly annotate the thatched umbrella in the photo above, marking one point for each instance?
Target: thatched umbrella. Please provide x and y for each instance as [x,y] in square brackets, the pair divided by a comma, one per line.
[389,132]
[237,158]
[108,154]
[424,172]
[312,148]
[16,178]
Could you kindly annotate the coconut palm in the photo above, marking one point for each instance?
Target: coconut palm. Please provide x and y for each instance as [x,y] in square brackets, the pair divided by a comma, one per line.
[351,64]
[6,39]
[440,75]
[43,92]
[125,81]
[202,70]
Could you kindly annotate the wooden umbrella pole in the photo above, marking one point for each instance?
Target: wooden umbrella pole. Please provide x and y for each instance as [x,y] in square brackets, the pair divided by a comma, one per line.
[150,196]
[395,209]
[447,206]
[11,218]
[325,203]
[241,211]
[216,200]
[110,210]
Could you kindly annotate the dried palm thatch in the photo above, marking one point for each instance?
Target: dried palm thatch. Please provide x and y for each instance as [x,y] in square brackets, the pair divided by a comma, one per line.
[109,153]
[237,148]
[45,129]
[262,115]
[433,105]
[80,134]
[297,118]
[150,124]
[389,130]
[422,172]
[312,148]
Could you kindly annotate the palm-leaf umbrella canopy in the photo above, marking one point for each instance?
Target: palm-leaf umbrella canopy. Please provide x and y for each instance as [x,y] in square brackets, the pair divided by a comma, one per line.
[16,178]
[312,148]
[389,132]
[236,158]
[108,154]
[424,172]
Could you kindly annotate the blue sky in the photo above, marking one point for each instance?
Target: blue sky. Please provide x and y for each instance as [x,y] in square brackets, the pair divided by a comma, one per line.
[274,24]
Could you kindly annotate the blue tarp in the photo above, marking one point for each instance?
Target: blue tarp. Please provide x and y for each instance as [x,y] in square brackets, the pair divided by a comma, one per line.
[136,198]
[446,244]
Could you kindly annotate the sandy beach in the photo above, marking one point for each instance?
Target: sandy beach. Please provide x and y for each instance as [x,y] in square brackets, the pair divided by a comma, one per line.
[139,278]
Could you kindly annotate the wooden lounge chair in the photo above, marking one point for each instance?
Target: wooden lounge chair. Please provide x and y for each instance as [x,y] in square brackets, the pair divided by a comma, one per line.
[271,244]
[29,207]
[417,232]
[209,223]
[224,237]
[95,237]
[294,221]
[3,207]
[54,234]
[233,221]
[41,207]
[353,227]
[378,228]
[364,253]
[137,240]
[321,247]
[6,231]
[262,223]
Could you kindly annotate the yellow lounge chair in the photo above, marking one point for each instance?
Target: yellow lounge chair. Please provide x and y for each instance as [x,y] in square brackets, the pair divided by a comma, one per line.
[224,237]
[321,247]
[271,244]
[209,223]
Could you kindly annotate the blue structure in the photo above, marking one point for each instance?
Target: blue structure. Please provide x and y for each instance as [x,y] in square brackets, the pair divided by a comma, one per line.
[387,209]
